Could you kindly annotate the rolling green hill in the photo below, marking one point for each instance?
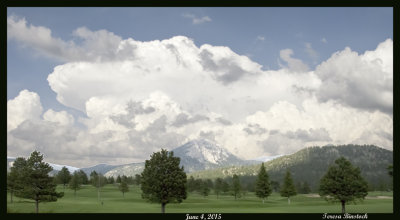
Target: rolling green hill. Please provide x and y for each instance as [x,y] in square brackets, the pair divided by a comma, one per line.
[310,164]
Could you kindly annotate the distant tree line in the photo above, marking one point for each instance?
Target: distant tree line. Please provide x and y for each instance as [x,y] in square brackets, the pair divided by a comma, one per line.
[164,181]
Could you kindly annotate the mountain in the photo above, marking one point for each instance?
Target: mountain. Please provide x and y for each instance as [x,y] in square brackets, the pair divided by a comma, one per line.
[201,155]
[56,167]
[310,164]
[99,168]
[127,170]
[195,155]
[266,158]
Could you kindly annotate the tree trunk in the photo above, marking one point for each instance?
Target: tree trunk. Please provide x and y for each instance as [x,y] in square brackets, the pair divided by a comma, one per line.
[263,200]
[163,208]
[37,206]
[11,195]
[75,193]
[288,200]
[343,207]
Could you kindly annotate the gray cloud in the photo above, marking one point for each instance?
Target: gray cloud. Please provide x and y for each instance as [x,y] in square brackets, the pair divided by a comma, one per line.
[254,129]
[133,109]
[292,141]
[225,70]
[320,134]
[207,135]
[223,121]
[184,119]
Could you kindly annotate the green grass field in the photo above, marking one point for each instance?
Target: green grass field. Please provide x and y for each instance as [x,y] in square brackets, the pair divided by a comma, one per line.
[86,202]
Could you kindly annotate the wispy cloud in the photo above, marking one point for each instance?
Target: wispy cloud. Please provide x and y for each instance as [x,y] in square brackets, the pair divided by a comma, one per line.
[323,40]
[311,52]
[260,38]
[197,20]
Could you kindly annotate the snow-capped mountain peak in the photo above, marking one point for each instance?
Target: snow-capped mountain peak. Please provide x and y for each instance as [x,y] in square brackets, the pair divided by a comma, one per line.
[204,151]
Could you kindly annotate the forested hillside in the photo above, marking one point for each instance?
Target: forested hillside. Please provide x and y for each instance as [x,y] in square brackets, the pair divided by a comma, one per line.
[310,164]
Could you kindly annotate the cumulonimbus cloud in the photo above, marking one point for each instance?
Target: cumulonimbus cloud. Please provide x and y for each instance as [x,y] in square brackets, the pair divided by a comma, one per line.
[141,96]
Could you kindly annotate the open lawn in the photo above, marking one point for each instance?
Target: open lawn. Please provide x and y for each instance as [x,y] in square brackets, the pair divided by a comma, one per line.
[112,202]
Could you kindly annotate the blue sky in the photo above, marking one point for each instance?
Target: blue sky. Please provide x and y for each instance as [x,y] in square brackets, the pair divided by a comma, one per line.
[307,37]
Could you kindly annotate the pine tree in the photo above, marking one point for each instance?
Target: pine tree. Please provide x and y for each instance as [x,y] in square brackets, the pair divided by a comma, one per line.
[15,180]
[236,187]
[123,187]
[288,189]
[263,186]
[34,180]
[343,183]
[306,188]
[138,179]
[83,177]
[63,176]
[98,181]
[75,182]
[218,186]
[119,179]
[111,180]
[191,184]
[163,181]
[205,190]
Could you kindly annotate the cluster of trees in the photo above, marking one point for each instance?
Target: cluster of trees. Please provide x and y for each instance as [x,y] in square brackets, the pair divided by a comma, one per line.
[78,178]
[29,178]
[164,181]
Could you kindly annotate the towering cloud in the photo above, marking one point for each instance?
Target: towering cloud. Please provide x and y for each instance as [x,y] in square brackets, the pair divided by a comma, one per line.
[139,97]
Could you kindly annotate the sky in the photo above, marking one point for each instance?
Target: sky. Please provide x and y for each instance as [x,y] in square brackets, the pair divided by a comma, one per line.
[113,85]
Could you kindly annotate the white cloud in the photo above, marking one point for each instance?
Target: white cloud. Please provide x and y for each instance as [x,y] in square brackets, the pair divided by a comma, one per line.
[295,65]
[26,106]
[141,96]
[197,20]
[361,81]
[98,45]
[62,118]
[324,40]
[261,38]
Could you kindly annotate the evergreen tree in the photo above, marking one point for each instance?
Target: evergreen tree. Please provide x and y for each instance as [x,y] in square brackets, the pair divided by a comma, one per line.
[225,186]
[119,179]
[288,190]
[138,179]
[123,187]
[306,188]
[34,180]
[263,186]
[191,184]
[111,180]
[236,187]
[343,183]
[15,180]
[75,182]
[98,181]
[218,186]
[390,170]
[63,176]
[205,190]
[163,181]
[83,177]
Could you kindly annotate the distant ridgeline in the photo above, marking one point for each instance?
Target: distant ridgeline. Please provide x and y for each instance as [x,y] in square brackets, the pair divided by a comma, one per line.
[310,164]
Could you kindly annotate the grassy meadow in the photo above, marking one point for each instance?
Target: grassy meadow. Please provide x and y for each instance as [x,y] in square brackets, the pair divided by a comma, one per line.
[112,201]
